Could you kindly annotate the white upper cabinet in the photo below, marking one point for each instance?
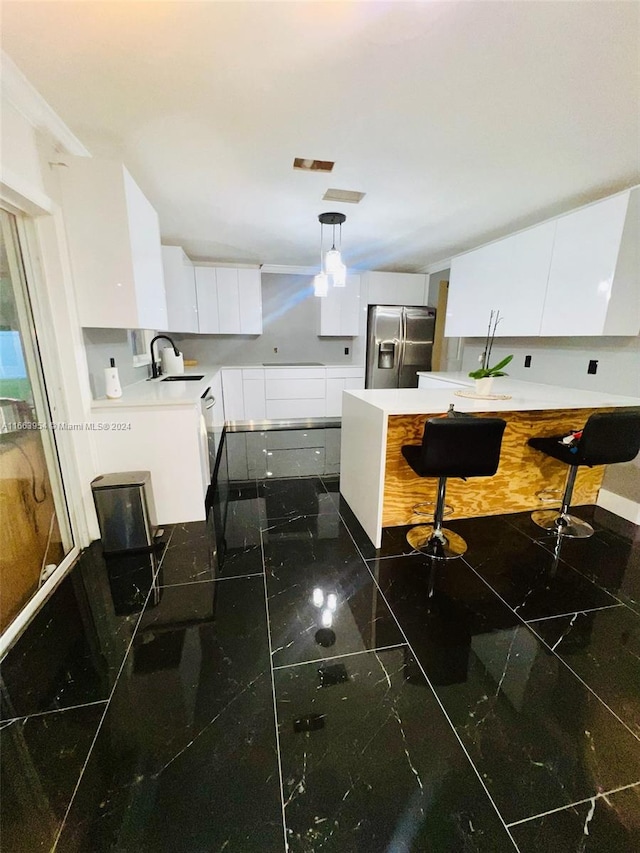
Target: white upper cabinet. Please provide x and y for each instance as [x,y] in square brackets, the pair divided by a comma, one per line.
[207,298]
[229,300]
[576,275]
[396,288]
[180,290]
[250,296]
[509,275]
[114,247]
[340,310]
[594,281]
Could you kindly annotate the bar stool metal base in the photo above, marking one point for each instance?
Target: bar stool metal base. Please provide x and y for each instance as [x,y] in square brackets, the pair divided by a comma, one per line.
[562,524]
[441,545]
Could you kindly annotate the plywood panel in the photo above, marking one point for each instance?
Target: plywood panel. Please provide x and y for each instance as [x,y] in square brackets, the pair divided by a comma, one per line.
[522,472]
[26,512]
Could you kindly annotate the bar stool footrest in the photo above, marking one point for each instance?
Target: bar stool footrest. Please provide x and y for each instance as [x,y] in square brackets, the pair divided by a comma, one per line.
[416,509]
[564,525]
[444,545]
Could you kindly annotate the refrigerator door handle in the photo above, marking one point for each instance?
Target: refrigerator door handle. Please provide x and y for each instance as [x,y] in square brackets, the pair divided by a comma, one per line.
[403,341]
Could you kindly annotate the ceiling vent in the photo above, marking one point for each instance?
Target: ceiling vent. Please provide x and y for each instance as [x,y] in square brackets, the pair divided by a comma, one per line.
[313,165]
[349,196]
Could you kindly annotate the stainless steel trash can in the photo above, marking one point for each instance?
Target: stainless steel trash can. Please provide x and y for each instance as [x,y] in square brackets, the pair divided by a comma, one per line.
[126,511]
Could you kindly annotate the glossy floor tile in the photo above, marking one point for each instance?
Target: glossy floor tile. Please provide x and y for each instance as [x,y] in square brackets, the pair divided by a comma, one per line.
[539,738]
[363,770]
[322,599]
[189,736]
[603,648]
[268,674]
[41,758]
[604,824]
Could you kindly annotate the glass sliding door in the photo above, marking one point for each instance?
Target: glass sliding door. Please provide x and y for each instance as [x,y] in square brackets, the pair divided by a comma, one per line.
[35,533]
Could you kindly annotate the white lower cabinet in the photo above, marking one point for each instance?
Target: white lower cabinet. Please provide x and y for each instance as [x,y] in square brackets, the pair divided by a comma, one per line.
[233,396]
[259,394]
[253,395]
[341,379]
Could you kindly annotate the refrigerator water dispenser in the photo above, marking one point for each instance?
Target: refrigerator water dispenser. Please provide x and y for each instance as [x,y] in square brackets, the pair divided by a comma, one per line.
[386,355]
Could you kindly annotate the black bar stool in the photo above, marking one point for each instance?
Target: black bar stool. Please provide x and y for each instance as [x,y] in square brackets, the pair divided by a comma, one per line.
[458,446]
[607,437]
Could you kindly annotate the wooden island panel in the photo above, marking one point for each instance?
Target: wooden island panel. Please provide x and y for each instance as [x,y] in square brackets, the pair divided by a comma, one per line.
[522,473]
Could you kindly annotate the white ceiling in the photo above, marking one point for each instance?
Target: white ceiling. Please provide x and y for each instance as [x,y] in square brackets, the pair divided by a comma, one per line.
[460,121]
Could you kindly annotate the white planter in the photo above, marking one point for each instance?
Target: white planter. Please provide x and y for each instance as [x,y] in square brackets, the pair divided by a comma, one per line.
[483,386]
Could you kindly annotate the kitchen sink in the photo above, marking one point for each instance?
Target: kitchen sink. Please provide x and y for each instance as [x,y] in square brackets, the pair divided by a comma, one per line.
[292,364]
[190,378]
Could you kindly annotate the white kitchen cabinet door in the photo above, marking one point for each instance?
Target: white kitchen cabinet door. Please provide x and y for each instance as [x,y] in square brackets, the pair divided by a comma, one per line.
[180,289]
[228,300]
[335,387]
[397,288]
[250,295]
[114,247]
[254,399]
[295,389]
[340,310]
[509,276]
[233,395]
[339,380]
[583,268]
[301,408]
[207,297]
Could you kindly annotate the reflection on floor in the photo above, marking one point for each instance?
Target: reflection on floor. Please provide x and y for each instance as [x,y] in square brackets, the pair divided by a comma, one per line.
[487,704]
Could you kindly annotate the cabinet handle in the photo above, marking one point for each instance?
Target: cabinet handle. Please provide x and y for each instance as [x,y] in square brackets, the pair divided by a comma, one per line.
[210,402]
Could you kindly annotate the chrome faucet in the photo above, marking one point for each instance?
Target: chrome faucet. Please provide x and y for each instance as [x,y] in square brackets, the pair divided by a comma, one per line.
[155,370]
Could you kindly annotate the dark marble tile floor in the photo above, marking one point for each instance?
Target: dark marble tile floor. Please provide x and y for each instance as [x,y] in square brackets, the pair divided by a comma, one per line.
[269,681]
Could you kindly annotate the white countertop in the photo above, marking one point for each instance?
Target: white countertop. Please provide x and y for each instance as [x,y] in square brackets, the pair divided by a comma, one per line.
[525,396]
[155,392]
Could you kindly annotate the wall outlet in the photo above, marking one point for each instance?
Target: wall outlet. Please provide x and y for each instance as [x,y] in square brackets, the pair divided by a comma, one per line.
[346,350]
[527,361]
[593,366]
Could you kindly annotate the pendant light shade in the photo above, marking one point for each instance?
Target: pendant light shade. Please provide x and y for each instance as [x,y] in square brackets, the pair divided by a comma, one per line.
[332,269]
[332,261]
[321,285]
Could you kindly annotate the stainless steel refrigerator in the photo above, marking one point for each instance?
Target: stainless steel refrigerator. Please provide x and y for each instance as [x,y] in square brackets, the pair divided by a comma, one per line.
[399,343]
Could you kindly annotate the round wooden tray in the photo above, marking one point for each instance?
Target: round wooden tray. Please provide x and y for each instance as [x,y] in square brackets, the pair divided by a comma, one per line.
[473,396]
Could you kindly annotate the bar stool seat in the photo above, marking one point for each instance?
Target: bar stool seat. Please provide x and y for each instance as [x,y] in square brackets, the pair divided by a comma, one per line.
[461,446]
[607,438]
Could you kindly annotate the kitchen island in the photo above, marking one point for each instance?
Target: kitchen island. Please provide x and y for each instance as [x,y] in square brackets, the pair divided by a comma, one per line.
[382,490]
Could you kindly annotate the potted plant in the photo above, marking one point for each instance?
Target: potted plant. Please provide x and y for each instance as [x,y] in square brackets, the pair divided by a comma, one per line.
[484,375]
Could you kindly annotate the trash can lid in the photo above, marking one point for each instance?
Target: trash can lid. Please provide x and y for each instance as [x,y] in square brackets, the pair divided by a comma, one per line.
[121,479]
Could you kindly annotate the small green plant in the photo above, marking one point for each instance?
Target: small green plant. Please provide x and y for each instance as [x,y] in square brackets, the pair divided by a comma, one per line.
[496,370]
[485,371]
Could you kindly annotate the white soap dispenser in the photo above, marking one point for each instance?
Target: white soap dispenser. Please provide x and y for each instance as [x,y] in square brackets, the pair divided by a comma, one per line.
[112,381]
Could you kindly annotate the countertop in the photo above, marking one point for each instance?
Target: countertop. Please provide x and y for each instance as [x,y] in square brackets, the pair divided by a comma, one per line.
[525,396]
[155,392]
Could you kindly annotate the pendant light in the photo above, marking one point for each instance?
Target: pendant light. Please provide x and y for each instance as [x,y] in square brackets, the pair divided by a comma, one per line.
[332,270]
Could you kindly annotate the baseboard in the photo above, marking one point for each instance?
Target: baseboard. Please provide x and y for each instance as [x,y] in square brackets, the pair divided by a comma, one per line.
[624,507]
